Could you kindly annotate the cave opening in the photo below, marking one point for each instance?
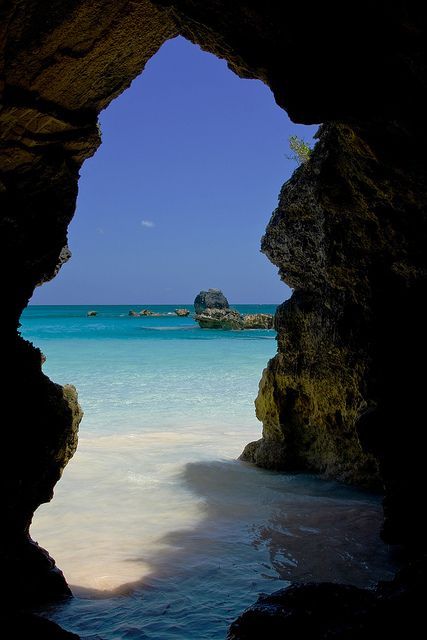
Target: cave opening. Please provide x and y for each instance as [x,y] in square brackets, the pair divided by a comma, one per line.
[116,469]
[144,233]
[349,234]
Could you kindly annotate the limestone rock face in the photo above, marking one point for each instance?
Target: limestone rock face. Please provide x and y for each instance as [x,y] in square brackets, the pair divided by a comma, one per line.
[211,299]
[220,319]
[329,400]
[232,319]
[257,321]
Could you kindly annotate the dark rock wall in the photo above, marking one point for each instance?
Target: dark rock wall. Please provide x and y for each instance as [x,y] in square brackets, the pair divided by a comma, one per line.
[348,236]
[349,233]
[61,63]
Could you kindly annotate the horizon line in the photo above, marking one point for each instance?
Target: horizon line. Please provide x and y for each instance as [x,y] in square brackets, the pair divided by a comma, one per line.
[138,304]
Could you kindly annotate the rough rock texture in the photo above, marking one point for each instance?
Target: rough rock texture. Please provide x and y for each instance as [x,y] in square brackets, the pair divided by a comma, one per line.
[232,319]
[257,321]
[183,313]
[330,611]
[331,400]
[211,299]
[38,441]
[315,389]
[349,234]
[60,63]
[219,319]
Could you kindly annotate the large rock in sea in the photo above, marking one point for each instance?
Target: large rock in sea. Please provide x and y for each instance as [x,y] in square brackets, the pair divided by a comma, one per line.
[257,321]
[220,319]
[211,299]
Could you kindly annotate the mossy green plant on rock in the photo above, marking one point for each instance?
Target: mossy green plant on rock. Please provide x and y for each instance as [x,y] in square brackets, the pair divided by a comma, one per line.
[301,150]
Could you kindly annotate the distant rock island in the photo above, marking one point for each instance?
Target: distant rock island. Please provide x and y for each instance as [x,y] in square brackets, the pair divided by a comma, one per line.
[210,299]
[145,312]
[152,314]
[214,312]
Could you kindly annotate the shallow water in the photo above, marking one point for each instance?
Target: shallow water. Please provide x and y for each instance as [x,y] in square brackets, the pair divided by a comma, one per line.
[160,530]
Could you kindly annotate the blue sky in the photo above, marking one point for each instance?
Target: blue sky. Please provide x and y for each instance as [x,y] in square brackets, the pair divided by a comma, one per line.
[178,195]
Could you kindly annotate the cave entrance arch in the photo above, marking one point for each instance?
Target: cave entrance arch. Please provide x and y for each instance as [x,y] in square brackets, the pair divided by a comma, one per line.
[152,186]
[360,215]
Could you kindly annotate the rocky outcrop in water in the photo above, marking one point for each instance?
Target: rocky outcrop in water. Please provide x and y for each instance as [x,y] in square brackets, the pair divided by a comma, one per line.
[92,314]
[183,313]
[232,319]
[257,321]
[211,299]
[220,319]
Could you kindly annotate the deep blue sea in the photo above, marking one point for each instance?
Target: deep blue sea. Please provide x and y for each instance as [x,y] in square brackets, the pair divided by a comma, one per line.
[160,530]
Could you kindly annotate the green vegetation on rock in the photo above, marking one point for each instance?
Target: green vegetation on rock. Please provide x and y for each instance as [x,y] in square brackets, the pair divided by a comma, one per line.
[301,151]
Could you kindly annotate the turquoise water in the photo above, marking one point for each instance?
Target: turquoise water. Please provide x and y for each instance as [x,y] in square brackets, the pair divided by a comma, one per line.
[160,530]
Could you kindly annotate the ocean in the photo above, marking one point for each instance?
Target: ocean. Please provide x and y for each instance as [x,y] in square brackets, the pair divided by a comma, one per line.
[160,530]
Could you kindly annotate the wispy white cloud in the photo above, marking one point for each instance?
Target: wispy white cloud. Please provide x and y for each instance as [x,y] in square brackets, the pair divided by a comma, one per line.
[148,224]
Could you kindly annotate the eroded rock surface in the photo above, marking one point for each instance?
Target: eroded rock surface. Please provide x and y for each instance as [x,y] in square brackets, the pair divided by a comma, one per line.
[332,400]
[232,319]
[220,319]
[41,433]
[257,321]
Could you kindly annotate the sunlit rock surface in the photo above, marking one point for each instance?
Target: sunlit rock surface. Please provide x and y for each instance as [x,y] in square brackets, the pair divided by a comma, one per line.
[220,319]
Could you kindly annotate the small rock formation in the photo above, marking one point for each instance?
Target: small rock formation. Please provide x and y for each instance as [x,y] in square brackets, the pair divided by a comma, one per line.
[182,312]
[92,314]
[213,312]
[211,299]
[220,319]
[327,610]
[145,313]
[257,321]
